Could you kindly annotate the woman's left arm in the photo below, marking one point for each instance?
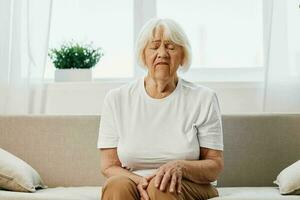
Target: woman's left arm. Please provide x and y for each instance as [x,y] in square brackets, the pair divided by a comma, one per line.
[201,171]
[205,170]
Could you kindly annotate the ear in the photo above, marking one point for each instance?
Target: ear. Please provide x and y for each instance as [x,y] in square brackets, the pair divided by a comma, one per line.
[182,58]
[182,61]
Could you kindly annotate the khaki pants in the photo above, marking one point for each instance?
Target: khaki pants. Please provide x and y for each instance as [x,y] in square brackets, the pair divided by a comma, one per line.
[123,188]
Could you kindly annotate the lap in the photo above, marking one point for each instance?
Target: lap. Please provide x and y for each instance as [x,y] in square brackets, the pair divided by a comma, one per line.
[191,190]
[119,183]
[119,180]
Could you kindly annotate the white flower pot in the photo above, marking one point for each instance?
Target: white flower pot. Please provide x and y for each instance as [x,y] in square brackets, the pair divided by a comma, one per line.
[69,75]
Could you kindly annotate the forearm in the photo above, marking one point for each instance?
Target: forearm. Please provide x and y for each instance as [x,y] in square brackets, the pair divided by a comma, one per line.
[201,171]
[117,170]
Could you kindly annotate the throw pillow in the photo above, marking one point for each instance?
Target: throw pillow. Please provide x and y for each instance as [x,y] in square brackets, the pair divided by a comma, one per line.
[288,179]
[17,175]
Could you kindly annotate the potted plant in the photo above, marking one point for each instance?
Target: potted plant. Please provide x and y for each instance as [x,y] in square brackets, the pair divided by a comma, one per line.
[73,61]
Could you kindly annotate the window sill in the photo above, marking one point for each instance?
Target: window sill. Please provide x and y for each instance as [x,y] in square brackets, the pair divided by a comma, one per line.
[119,82]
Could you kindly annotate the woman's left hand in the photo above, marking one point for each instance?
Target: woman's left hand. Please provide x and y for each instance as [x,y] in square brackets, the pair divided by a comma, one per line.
[170,172]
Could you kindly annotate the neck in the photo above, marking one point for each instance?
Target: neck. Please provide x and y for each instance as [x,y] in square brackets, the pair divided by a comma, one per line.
[160,88]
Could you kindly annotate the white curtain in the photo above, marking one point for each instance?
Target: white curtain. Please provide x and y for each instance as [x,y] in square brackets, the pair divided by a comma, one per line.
[24,40]
[282,53]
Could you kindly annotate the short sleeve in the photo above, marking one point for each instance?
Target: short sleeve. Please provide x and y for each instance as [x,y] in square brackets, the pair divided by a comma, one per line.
[108,136]
[210,132]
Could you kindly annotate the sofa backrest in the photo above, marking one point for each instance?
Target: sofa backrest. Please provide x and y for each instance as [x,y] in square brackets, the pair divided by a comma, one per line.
[258,147]
[63,148]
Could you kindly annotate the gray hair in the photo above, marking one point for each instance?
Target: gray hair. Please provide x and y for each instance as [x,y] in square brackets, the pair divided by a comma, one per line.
[172,31]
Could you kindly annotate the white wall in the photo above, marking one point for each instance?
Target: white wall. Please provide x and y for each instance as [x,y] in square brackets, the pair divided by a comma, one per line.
[87,98]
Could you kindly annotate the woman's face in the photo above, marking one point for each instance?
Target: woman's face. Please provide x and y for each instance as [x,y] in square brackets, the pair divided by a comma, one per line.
[162,57]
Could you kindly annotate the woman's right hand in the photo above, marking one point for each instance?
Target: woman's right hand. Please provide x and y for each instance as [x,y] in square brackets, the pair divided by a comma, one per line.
[142,187]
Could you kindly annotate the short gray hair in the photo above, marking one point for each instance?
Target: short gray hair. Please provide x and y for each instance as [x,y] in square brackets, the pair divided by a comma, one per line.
[172,31]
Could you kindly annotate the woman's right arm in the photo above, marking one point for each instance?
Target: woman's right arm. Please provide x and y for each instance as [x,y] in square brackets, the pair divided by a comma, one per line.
[111,165]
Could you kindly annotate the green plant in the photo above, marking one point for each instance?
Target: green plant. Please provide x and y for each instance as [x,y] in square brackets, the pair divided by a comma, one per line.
[74,55]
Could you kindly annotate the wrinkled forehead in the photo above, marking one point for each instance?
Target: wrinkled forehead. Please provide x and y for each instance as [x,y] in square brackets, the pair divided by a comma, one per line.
[162,33]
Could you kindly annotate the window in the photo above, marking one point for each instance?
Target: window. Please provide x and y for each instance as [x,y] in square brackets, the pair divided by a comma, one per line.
[226,36]
[108,24]
[223,34]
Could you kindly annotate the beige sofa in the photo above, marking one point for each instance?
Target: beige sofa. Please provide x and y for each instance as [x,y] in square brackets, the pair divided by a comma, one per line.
[63,150]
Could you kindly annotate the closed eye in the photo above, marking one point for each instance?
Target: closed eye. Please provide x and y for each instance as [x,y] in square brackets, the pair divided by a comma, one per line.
[154,45]
[171,46]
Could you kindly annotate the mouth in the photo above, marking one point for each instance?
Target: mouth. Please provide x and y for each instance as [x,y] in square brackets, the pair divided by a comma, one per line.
[162,63]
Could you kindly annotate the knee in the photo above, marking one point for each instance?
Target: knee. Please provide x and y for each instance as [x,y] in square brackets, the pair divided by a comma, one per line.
[120,184]
[156,193]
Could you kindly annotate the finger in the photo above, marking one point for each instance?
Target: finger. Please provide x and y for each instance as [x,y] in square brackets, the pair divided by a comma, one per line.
[179,184]
[143,193]
[173,183]
[150,177]
[145,183]
[158,178]
[165,181]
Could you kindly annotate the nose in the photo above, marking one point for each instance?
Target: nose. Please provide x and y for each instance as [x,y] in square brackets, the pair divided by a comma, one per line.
[162,52]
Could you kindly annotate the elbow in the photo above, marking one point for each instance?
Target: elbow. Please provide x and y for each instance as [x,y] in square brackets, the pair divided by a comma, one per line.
[104,170]
[219,167]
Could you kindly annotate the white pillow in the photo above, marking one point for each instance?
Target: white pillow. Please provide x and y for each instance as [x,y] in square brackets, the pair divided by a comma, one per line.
[288,179]
[17,175]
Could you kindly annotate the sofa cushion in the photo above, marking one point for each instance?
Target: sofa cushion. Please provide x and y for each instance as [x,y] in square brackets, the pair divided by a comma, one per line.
[58,193]
[252,193]
[288,179]
[17,175]
[94,193]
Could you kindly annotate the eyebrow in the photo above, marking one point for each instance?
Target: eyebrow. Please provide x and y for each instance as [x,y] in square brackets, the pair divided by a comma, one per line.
[156,41]
[166,41]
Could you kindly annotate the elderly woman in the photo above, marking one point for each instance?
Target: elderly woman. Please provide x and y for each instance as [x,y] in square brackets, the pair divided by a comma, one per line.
[161,136]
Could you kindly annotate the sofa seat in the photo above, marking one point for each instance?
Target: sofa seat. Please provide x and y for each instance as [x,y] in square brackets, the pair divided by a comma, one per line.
[58,193]
[93,193]
[253,193]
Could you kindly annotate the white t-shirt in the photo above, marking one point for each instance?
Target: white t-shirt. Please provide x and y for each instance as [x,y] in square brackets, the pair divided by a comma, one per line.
[149,132]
